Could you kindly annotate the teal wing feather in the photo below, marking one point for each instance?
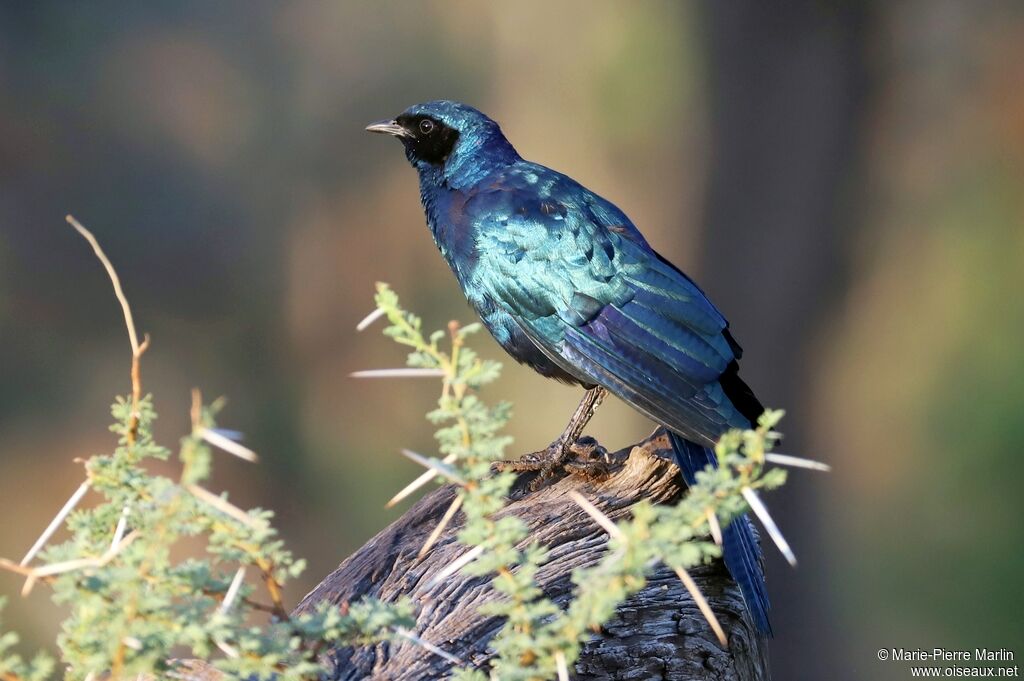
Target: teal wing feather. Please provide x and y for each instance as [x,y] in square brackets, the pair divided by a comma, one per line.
[587,289]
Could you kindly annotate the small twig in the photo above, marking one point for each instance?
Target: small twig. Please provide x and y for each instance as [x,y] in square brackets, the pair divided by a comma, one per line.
[274,589]
[600,518]
[196,411]
[17,569]
[56,522]
[133,337]
[445,519]
[118,291]
[702,603]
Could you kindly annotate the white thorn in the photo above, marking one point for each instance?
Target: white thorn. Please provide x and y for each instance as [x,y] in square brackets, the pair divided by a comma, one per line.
[600,518]
[227,649]
[702,603]
[417,483]
[456,565]
[79,563]
[369,319]
[716,528]
[122,523]
[427,645]
[232,593]
[235,435]
[758,507]
[445,519]
[222,505]
[797,462]
[218,440]
[439,467]
[55,523]
[399,373]
[563,667]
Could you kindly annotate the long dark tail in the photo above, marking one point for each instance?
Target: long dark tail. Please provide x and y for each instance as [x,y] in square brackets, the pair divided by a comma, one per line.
[740,548]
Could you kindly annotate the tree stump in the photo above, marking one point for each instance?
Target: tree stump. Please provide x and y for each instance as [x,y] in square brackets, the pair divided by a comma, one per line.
[659,633]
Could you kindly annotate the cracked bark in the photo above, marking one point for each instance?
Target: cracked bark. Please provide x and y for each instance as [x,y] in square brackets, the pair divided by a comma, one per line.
[657,634]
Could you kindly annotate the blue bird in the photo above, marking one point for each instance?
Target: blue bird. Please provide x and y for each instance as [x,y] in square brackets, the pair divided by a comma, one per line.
[567,285]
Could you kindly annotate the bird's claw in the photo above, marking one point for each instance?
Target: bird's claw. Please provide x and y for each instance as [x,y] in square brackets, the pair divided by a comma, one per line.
[584,456]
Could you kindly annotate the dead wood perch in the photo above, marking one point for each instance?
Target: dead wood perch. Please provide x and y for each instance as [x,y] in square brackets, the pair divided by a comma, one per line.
[657,634]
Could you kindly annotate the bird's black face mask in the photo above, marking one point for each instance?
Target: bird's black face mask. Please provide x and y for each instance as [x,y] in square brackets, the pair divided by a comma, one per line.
[427,139]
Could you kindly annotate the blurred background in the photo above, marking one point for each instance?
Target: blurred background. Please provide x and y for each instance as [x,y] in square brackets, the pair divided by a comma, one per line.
[844,179]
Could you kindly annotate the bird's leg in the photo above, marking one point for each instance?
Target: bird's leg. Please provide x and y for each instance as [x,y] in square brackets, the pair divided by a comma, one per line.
[581,417]
[561,449]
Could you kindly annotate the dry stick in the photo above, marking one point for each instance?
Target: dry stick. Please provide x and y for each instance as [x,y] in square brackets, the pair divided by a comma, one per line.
[196,411]
[133,337]
[11,566]
[274,589]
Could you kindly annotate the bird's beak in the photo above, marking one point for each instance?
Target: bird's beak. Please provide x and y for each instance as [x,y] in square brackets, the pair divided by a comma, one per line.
[388,128]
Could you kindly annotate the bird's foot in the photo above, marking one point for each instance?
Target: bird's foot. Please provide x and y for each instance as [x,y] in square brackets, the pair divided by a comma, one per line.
[584,456]
[589,459]
[545,461]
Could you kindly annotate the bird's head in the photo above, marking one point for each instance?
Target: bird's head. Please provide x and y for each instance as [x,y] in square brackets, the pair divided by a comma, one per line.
[449,142]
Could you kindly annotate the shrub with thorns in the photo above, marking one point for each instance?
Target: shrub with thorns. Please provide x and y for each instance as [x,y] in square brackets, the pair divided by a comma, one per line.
[132,607]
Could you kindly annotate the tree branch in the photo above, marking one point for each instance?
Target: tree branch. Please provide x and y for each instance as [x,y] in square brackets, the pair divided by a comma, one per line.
[658,633]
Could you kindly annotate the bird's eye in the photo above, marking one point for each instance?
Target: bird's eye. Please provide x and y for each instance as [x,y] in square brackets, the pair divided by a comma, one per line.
[426,126]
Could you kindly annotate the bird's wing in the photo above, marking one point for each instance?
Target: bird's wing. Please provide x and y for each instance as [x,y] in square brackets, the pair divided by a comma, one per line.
[603,305]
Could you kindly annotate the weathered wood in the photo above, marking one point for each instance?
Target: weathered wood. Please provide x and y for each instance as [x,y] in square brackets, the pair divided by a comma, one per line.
[657,634]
